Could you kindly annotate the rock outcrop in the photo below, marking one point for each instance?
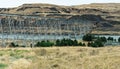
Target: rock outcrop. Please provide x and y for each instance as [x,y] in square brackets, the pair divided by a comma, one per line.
[106,16]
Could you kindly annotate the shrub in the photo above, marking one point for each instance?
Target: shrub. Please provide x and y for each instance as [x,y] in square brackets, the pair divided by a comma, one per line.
[103,39]
[44,44]
[119,39]
[80,44]
[13,45]
[66,42]
[3,66]
[48,43]
[110,38]
[37,44]
[58,42]
[83,44]
[88,37]
[75,43]
[96,43]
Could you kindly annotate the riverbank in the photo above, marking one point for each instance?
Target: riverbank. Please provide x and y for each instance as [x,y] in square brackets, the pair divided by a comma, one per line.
[105,32]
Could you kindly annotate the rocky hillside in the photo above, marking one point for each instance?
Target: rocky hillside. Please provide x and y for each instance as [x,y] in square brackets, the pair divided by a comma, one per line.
[106,16]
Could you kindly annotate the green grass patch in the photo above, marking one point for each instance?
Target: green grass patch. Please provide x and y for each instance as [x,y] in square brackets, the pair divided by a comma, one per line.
[18,53]
[3,66]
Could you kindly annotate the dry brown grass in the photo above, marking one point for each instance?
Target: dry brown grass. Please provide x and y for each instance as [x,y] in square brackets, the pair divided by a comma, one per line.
[106,32]
[62,58]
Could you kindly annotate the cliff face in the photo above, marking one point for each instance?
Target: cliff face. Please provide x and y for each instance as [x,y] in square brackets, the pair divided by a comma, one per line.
[106,16]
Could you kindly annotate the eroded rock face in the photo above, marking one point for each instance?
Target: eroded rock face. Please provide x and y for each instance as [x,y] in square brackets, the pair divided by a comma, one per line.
[105,15]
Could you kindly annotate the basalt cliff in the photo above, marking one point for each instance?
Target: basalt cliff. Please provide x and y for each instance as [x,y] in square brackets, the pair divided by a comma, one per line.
[105,16]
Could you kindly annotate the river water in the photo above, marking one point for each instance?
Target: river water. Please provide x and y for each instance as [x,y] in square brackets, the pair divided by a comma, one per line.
[38,37]
[48,37]
[114,36]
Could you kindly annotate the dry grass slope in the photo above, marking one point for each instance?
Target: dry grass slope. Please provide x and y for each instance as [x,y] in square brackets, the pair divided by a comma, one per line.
[61,58]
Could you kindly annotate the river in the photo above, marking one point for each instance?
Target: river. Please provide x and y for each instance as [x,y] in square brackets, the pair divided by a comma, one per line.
[114,36]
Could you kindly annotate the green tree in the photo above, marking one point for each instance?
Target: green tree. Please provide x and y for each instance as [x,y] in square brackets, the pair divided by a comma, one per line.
[93,44]
[80,44]
[98,43]
[89,44]
[103,39]
[58,42]
[110,39]
[12,44]
[119,39]
[70,42]
[88,37]
[75,43]
[48,43]
[44,44]
[37,44]
[83,44]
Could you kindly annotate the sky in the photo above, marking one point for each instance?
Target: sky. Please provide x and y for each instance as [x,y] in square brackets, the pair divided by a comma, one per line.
[15,3]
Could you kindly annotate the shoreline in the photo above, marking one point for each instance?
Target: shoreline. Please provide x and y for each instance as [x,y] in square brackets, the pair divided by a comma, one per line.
[105,33]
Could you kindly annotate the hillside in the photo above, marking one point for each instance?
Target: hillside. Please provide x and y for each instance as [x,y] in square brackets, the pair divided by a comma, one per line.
[60,58]
[106,16]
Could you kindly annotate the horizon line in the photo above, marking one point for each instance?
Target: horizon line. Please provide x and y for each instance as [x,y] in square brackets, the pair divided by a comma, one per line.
[62,4]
